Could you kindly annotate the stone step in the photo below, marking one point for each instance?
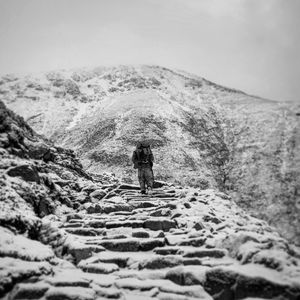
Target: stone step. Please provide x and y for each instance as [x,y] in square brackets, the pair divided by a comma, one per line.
[163,195]
[128,223]
[203,252]
[99,267]
[81,251]
[72,225]
[166,250]
[154,224]
[59,293]
[164,224]
[70,220]
[121,213]
[144,260]
[161,212]
[116,236]
[29,290]
[132,197]
[167,289]
[121,259]
[132,244]
[125,186]
[183,241]
[85,231]
[143,204]
[149,198]
[95,223]
[140,234]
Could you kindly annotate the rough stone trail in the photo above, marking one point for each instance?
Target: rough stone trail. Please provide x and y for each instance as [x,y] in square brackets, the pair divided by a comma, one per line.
[173,244]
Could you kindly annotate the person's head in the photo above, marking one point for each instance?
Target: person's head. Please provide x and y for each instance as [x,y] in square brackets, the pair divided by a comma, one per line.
[145,144]
[138,145]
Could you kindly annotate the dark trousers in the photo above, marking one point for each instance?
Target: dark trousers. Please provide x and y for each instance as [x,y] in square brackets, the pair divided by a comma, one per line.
[145,176]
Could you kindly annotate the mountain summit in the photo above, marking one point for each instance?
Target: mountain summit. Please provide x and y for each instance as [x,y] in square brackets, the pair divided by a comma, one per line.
[203,135]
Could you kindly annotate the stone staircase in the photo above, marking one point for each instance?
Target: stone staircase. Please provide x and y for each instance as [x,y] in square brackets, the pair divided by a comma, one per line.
[171,244]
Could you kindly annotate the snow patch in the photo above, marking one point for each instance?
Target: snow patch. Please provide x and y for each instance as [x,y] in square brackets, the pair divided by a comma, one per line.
[81,110]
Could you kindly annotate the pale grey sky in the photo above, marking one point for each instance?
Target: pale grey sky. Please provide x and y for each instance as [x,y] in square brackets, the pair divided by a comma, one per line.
[252,45]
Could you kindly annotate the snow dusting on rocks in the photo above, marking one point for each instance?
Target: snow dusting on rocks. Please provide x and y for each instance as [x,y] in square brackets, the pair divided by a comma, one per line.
[68,234]
[203,134]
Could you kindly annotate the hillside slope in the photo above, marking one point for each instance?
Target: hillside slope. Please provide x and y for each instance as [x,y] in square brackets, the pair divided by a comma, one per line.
[203,135]
[66,235]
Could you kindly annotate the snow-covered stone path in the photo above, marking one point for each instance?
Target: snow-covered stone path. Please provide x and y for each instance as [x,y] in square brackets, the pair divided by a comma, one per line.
[173,244]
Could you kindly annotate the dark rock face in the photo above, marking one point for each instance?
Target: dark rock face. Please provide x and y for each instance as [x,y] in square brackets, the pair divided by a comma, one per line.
[27,173]
[203,135]
[30,173]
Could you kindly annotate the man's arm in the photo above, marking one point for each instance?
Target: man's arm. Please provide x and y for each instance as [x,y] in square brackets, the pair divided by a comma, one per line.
[134,157]
[151,159]
[135,160]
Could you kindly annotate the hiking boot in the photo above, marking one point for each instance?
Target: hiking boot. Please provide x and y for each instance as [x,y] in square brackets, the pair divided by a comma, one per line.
[143,192]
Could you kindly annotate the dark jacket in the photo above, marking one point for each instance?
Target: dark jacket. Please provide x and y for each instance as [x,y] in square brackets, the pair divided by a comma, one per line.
[141,159]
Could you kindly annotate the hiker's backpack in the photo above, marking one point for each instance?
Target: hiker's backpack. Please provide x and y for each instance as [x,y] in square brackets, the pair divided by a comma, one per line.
[144,154]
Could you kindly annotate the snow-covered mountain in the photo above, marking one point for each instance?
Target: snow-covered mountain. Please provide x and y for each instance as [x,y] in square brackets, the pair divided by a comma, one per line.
[68,234]
[203,134]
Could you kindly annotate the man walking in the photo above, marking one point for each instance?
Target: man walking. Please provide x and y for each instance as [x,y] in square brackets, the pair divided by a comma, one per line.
[142,159]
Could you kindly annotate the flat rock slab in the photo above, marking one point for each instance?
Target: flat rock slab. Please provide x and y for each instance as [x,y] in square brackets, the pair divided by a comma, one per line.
[250,280]
[29,290]
[108,293]
[159,224]
[143,204]
[188,275]
[74,216]
[129,223]
[192,252]
[132,244]
[85,231]
[17,270]
[149,244]
[26,172]
[121,213]
[95,223]
[166,286]
[166,250]
[128,187]
[114,237]
[100,268]
[163,195]
[70,293]
[72,225]
[117,260]
[182,241]
[161,212]
[68,279]
[122,245]
[160,262]
[140,234]
[81,251]
[18,246]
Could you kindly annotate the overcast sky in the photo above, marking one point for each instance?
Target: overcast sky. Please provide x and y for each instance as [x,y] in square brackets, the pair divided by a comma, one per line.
[252,45]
